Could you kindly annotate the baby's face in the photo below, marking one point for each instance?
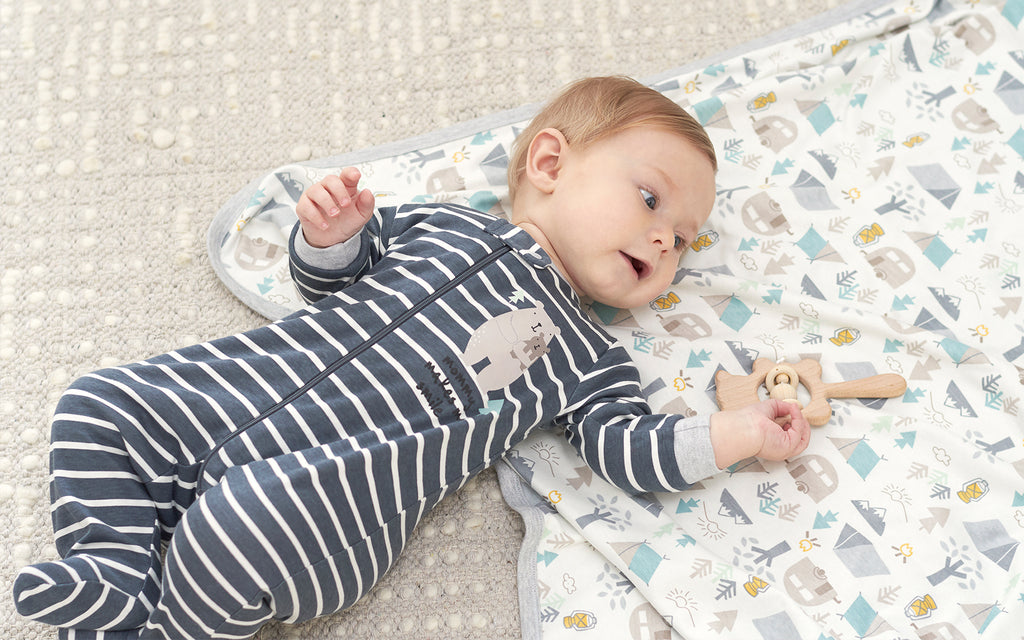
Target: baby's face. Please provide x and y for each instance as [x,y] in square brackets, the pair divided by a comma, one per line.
[628,207]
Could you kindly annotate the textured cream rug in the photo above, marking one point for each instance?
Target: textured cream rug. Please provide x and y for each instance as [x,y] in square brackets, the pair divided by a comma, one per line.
[125,124]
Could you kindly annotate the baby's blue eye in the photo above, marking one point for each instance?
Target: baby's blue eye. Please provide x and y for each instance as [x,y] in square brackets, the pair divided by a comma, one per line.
[679,242]
[650,199]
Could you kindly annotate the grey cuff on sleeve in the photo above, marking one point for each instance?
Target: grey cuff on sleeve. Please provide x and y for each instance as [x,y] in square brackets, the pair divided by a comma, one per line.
[334,257]
[694,454]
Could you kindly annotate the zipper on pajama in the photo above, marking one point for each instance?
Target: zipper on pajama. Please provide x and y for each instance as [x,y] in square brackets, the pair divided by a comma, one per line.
[340,362]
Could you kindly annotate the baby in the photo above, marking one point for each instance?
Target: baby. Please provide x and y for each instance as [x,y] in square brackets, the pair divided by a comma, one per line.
[286,467]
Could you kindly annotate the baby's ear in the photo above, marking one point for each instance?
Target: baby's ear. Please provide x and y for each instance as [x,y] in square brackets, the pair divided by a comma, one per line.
[545,158]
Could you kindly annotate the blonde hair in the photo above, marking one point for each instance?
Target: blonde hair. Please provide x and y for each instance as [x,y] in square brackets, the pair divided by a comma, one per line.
[591,109]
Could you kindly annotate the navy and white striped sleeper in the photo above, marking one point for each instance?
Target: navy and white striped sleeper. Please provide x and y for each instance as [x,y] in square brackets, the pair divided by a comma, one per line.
[292,462]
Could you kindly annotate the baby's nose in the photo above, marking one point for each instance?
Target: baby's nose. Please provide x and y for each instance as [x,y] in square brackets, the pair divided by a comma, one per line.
[662,236]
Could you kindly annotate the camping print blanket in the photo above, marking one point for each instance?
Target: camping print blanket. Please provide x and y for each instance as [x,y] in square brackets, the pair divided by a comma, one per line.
[871,193]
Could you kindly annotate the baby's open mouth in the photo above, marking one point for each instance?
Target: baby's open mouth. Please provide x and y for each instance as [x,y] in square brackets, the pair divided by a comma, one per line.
[639,266]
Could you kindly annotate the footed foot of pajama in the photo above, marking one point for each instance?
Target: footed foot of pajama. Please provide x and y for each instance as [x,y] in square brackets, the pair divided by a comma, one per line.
[81,592]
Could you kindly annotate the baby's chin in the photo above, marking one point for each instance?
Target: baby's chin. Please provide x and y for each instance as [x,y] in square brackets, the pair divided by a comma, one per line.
[621,293]
[626,300]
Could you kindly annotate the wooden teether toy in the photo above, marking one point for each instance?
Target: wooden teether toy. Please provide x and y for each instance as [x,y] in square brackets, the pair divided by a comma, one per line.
[781,380]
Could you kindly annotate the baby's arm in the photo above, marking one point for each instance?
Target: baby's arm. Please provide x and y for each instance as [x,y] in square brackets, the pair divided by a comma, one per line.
[772,429]
[334,209]
[619,437]
[341,235]
[325,251]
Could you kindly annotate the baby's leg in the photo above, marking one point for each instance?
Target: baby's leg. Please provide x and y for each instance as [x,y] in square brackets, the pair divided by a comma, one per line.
[290,538]
[108,514]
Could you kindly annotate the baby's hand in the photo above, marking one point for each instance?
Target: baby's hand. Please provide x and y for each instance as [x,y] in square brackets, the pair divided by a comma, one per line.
[333,210]
[772,429]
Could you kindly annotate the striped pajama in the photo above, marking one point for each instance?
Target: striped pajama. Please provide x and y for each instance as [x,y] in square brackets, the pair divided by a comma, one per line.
[292,462]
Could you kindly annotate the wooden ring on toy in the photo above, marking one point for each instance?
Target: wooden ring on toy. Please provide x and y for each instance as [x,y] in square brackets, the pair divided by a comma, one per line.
[781,381]
[772,378]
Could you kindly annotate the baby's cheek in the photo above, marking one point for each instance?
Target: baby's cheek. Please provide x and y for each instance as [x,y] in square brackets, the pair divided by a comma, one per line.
[663,278]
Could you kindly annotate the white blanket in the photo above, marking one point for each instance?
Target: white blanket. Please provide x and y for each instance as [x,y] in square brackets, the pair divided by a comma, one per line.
[868,217]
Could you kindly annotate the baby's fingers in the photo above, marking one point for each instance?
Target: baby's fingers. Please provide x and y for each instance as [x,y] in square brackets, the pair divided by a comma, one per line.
[364,202]
[331,194]
[333,210]
[787,434]
[309,212]
[350,176]
[797,429]
[327,199]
